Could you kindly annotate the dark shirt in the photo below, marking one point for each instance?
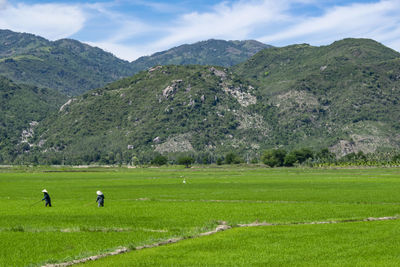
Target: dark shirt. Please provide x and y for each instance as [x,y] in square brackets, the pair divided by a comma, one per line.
[46,197]
[100,198]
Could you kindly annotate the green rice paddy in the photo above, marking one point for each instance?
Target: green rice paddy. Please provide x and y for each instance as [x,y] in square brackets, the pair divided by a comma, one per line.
[147,205]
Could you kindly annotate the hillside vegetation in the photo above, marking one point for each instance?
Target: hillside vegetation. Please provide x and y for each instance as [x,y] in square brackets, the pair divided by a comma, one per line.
[167,109]
[22,107]
[73,68]
[344,97]
[67,65]
[210,52]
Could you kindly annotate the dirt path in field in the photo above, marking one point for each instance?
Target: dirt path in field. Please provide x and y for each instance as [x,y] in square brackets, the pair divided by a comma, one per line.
[369,219]
[258,201]
[221,227]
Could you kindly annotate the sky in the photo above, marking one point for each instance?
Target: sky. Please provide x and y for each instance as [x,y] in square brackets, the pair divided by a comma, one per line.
[130,29]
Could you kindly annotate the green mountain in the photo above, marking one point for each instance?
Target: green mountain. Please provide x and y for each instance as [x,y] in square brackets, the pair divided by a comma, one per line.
[167,109]
[69,66]
[210,52]
[344,97]
[22,107]
[73,68]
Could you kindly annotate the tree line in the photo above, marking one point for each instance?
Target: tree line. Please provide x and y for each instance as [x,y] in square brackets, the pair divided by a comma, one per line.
[272,158]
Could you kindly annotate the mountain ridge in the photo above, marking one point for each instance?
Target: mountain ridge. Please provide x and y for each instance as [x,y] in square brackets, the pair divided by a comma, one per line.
[73,67]
[343,97]
[208,52]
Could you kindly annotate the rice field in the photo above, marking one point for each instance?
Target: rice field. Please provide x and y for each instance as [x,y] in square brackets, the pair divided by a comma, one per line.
[148,205]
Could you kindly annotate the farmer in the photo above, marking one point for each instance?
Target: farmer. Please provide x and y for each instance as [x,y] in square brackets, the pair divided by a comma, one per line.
[100,199]
[46,197]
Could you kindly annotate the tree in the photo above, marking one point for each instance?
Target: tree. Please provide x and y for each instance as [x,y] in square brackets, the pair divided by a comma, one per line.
[135,161]
[303,154]
[290,159]
[298,156]
[232,158]
[159,160]
[325,156]
[396,158]
[229,158]
[186,160]
[254,161]
[274,158]
[354,157]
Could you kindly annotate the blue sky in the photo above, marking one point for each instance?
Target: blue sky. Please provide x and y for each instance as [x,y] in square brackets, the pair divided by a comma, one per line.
[130,29]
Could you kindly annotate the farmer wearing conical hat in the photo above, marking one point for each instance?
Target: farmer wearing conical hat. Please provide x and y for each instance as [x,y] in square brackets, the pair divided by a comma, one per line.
[46,197]
[100,199]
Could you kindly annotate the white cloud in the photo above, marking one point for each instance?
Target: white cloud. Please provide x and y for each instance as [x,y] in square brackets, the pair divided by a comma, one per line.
[157,6]
[127,52]
[225,21]
[379,21]
[52,21]
[124,29]
[274,22]
[3,3]
[106,25]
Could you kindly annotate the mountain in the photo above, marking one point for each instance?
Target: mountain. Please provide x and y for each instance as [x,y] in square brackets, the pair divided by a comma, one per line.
[73,68]
[22,107]
[210,52]
[167,109]
[344,97]
[67,65]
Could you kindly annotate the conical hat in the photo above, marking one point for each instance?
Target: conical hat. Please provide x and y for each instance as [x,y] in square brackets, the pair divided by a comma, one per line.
[99,193]
[44,191]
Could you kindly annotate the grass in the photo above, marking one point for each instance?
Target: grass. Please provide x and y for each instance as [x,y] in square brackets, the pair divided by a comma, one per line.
[143,206]
[350,244]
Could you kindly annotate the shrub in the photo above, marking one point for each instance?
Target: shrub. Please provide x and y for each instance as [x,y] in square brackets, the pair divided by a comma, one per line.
[298,156]
[187,161]
[290,159]
[232,158]
[159,160]
[274,158]
[354,157]
[254,161]
[325,156]
[396,158]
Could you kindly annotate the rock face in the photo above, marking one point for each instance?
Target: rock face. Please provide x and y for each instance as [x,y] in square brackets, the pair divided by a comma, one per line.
[171,89]
[366,137]
[63,107]
[219,73]
[242,96]
[179,143]
[28,133]
[300,100]
[344,147]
